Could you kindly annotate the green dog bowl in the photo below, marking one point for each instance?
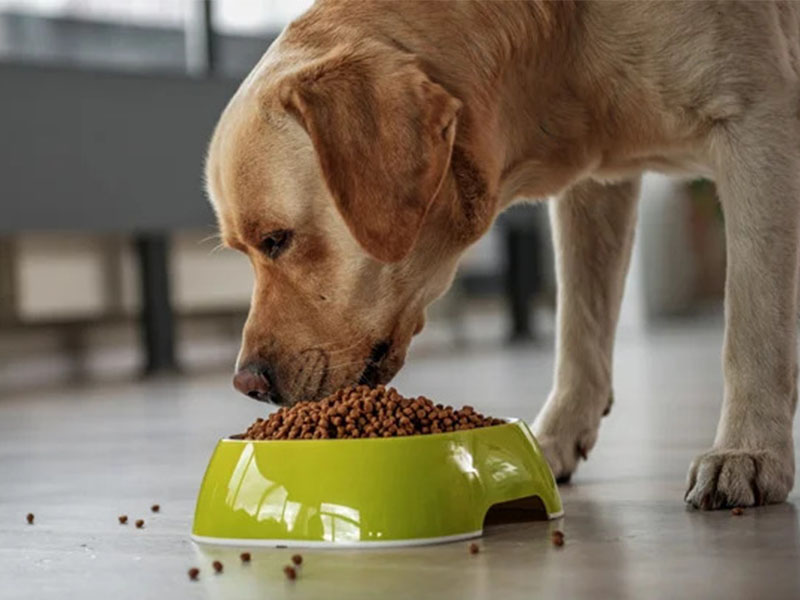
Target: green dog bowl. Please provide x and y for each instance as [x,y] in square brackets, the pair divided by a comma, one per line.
[374,492]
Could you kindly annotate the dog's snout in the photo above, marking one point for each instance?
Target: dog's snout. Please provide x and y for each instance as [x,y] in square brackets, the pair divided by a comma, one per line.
[253,380]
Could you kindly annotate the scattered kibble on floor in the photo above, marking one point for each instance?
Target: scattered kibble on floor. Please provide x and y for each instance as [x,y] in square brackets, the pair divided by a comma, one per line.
[297,559]
[217,566]
[474,548]
[139,523]
[557,537]
[737,511]
[29,518]
[193,573]
[290,572]
[155,508]
[245,556]
[123,519]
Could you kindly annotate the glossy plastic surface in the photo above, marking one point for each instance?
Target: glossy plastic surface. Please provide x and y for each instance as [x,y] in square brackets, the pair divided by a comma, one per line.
[393,491]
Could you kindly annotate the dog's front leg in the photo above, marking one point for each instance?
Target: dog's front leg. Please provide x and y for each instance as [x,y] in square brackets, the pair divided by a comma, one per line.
[758,175]
[593,228]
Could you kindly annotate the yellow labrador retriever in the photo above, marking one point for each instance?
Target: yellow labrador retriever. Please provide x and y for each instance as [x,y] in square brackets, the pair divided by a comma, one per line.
[375,141]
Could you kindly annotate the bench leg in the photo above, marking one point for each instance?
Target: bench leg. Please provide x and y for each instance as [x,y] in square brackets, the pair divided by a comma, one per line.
[157,322]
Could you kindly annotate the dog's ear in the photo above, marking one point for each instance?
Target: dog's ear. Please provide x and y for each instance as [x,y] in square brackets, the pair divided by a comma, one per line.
[383,133]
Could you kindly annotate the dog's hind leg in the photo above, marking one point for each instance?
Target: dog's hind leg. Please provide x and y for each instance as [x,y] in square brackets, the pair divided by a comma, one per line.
[593,226]
[758,175]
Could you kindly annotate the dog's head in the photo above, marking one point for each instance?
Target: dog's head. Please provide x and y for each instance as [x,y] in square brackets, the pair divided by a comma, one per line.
[338,180]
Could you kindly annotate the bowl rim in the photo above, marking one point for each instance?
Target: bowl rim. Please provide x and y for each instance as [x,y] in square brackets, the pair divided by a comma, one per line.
[372,544]
[405,438]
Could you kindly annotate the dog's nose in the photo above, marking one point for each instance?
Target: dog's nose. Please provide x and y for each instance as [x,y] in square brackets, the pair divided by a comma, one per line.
[253,380]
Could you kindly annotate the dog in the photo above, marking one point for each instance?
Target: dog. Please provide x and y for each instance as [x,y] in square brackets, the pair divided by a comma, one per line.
[375,141]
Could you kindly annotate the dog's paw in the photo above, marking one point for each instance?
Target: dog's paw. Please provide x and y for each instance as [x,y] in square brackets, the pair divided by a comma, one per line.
[726,478]
[566,429]
[564,451]
[564,446]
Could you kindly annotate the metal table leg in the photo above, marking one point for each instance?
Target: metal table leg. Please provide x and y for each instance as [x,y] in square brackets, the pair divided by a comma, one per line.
[157,322]
[522,278]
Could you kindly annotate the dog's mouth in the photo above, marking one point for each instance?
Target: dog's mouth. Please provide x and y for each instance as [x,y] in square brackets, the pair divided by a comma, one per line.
[372,370]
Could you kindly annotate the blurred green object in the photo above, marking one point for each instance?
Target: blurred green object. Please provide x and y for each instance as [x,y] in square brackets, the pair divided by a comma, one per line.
[370,492]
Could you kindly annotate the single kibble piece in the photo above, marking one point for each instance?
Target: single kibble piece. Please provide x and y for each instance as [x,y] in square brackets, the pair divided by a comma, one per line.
[364,412]
[290,572]
[123,519]
[557,537]
[297,559]
[217,566]
[155,508]
[29,518]
[245,556]
[737,511]
[474,548]
[193,573]
[139,523]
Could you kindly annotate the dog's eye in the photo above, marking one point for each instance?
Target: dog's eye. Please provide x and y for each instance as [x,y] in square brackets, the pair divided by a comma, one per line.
[275,243]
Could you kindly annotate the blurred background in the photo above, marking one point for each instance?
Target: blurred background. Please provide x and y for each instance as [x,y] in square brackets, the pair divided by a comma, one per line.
[108,266]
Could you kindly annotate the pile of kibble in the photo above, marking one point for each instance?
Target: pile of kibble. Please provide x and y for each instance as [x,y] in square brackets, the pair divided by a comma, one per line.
[364,412]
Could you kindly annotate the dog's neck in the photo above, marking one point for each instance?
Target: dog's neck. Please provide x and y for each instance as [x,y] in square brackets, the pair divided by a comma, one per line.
[526,122]
[526,127]
[527,118]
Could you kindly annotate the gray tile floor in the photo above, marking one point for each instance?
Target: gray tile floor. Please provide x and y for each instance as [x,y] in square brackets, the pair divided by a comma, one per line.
[77,458]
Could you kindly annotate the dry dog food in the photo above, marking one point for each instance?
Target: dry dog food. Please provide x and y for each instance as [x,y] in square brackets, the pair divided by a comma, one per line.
[557,537]
[245,556]
[139,523]
[193,573]
[363,412]
[217,566]
[297,559]
[737,511]
[29,518]
[290,572]
[155,508]
[123,519]
[474,548]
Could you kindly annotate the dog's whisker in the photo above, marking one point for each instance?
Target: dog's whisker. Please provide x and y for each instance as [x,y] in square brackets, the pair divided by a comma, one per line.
[345,365]
[336,353]
[348,347]
[220,244]
[353,343]
[208,238]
